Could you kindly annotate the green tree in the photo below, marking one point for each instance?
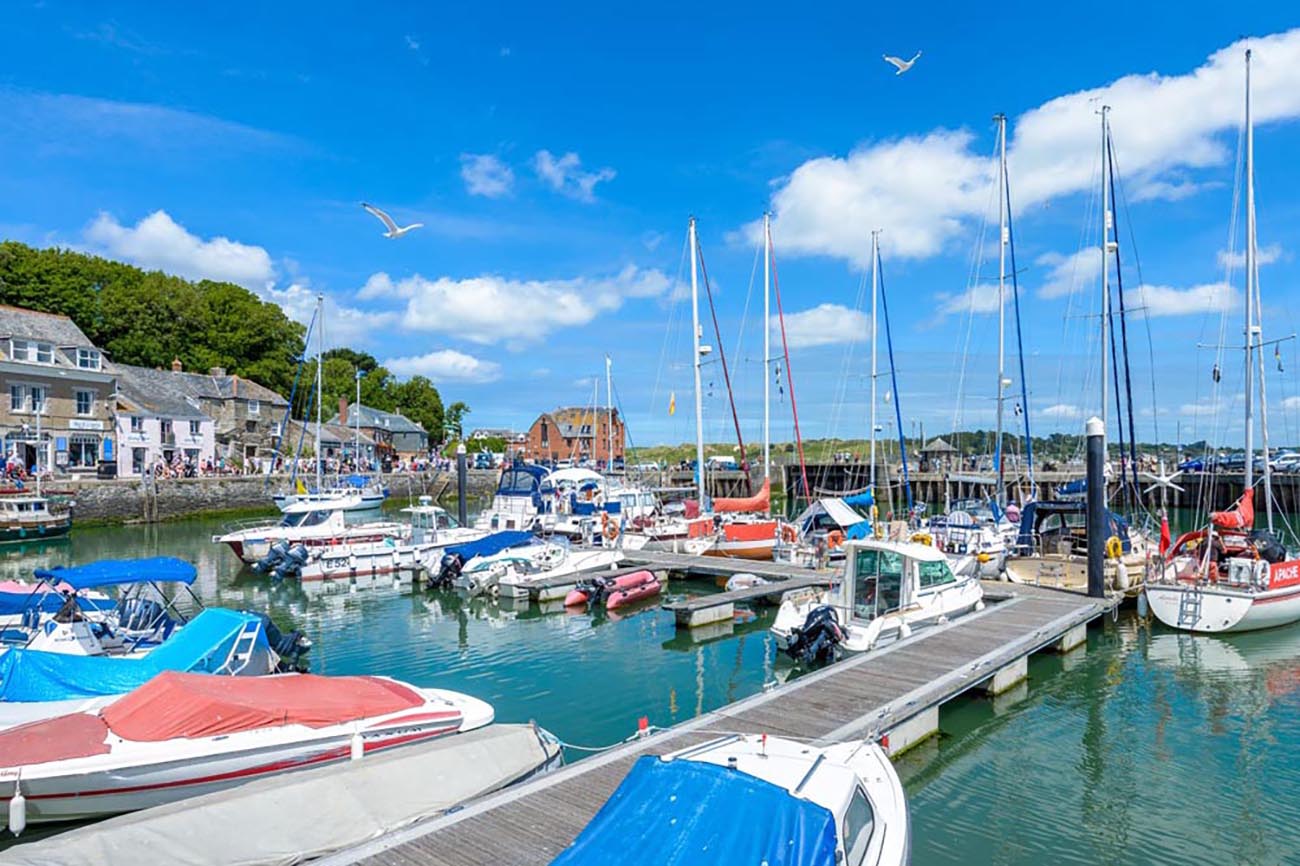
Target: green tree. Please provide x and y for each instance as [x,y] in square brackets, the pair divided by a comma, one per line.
[454,418]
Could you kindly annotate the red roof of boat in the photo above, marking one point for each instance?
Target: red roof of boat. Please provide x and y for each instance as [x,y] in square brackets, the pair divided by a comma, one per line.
[174,704]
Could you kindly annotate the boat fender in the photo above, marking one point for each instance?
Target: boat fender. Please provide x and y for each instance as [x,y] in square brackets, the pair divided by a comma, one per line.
[17,811]
[923,538]
[1144,606]
[904,630]
[1121,575]
[358,747]
[1114,547]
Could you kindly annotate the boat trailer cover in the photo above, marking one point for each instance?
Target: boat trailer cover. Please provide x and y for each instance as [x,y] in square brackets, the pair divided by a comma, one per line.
[673,813]
[299,816]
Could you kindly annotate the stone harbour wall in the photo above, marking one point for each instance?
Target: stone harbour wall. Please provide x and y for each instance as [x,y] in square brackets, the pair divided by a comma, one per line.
[149,501]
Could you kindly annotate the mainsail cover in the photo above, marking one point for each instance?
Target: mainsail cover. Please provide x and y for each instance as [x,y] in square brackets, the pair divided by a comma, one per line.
[1240,516]
[759,502]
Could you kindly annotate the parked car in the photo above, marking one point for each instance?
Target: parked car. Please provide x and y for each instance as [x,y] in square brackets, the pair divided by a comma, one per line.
[1194,464]
[483,460]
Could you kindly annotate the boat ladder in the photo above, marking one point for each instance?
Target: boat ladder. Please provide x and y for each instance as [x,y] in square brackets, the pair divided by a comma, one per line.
[1189,607]
[241,651]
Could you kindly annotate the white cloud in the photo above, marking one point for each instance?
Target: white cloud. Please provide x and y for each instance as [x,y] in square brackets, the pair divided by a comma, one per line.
[977,299]
[344,326]
[1067,273]
[926,189]
[1291,403]
[486,175]
[1166,301]
[1197,410]
[491,309]
[823,325]
[446,365]
[1062,411]
[1235,259]
[158,242]
[564,174]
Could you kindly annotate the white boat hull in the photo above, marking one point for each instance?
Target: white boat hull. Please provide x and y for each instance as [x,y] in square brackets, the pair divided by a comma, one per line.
[515,584]
[1224,609]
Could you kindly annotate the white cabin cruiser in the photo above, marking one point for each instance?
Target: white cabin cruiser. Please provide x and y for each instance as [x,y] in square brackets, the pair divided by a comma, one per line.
[357,494]
[888,589]
[303,524]
[752,799]
[517,503]
[522,575]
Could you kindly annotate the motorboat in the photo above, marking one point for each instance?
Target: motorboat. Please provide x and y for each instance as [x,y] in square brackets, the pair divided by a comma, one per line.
[1052,549]
[979,529]
[449,571]
[888,589]
[612,593]
[517,502]
[354,493]
[820,530]
[183,735]
[752,798]
[26,517]
[518,571]
[674,530]
[303,524]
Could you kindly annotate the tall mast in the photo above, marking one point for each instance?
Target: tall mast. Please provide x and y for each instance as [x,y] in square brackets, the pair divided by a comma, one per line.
[320,352]
[767,346]
[875,277]
[695,362]
[1002,279]
[609,417]
[1105,268]
[1254,320]
[356,425]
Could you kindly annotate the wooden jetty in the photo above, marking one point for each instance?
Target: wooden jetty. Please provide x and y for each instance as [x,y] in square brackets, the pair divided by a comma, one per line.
[892,695]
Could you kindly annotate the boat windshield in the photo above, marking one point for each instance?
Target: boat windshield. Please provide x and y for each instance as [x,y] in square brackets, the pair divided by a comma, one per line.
[446,521]
[859,822]
[306,518]
[877,583]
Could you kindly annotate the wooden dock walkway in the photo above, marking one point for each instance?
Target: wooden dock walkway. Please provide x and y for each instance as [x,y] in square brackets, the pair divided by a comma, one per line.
[893,695]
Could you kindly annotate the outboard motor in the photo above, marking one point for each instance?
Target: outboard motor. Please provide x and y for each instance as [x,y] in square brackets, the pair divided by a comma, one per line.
[449,568]
[817,641]
[596,590]
[1266,544]
[291,565]
[289,647]
[279,550]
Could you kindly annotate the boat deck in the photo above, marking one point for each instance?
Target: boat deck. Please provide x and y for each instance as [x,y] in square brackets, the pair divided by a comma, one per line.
[718,566]
[893,695]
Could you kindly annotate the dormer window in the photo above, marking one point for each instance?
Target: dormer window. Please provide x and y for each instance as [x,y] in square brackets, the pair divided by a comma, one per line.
[31,351]
[254,407]
[88,359]
[44,353]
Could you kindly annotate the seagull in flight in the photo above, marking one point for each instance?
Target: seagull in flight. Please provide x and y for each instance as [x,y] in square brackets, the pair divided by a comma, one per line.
[393,230]
[900,63]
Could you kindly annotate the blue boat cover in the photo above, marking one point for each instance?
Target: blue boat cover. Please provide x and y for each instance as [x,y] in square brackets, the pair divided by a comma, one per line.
[47,601]
[201,646]
[357,481]
[108,572]
[674,813]
[494,543]
[865,499]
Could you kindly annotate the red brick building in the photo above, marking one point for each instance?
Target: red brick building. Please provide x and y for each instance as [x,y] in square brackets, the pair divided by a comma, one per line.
[575,433]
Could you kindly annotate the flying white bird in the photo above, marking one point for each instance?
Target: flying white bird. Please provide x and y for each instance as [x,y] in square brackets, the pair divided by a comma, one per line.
[393,230]
[903,65]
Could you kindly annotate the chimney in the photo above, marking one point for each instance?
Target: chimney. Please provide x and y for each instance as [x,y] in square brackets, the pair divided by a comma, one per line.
[176,365]
[216,371]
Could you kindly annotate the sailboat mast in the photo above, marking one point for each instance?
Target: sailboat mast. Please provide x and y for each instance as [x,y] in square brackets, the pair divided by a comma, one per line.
[695,363]
[356,425]
[320,352]
[875,292]
[1105,270]
[1002,279]
[1254,321]
[767,346]
[609,416]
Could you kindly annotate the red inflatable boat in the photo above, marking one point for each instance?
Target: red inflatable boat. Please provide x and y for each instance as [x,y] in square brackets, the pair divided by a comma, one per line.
[615,592]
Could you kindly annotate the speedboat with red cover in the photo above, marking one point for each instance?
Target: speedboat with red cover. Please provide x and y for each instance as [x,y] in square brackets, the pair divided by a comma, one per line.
[182,735]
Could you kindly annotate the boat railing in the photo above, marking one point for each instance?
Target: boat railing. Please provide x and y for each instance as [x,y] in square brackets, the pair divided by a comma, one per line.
[250,523]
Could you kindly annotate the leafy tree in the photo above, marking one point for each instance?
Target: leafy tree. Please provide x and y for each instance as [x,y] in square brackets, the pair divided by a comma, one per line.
[454,418]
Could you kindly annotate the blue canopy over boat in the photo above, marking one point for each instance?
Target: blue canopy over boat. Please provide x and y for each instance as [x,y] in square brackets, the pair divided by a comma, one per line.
[203,645]
[672,813]
[494,543]
[112,572]
[1035,514]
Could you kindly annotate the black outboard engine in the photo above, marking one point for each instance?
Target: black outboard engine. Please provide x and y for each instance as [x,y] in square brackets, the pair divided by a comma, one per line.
[817,641]
[1266,544]
[292,563]
[279,550]
[448,570]
[597,589]
[289,647]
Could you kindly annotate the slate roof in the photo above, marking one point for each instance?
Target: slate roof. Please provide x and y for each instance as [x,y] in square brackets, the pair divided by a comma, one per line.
[394,422]
[159,393]
[330,432]
[226,387]
[46,327]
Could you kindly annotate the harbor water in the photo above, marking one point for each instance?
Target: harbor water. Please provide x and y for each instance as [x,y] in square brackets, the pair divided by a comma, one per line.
[1148,747]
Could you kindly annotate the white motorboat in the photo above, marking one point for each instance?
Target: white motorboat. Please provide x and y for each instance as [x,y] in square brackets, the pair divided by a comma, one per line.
[821,529]
[752,799]
[307,525]
[975,528]
[888,589]
[182,735]
[517,503]
[521,575]
[367,498]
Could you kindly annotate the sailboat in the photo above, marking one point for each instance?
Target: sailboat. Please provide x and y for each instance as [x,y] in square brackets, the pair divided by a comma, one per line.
[1228,576]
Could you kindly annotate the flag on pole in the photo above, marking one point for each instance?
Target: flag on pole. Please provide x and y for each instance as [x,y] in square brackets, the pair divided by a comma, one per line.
[672,403]
[1164,534]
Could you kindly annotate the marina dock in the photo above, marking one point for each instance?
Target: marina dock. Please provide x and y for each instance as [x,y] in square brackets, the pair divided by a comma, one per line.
[893,695]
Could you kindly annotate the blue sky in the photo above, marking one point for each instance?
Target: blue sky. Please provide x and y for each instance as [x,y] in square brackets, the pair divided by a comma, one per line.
[555,153]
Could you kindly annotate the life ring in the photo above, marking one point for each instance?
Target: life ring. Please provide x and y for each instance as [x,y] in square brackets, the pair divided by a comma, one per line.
[922,538]
[611,529]
[835,539]
[1114,547]
[788,533]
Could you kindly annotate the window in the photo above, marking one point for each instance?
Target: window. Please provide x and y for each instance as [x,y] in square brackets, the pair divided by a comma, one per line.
[195,427]
[165,430]
[37,395]
[83,451]
[44,353]
[859,821]
[877,582]
[18,350]
[137,460]
[85,402]
[935,574]
[250,426]
[254,407]
[17,398]
[88,359]
[546,439]
[137,424]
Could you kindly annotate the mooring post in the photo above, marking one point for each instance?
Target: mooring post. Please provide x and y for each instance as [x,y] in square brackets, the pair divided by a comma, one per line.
[1097,529]
[462,482]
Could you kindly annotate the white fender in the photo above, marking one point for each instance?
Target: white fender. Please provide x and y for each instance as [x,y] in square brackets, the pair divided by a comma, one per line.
[17,811]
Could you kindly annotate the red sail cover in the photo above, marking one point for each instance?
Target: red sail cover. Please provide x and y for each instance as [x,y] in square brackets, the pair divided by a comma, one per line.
[759,502]
[196,705]
[1240,516]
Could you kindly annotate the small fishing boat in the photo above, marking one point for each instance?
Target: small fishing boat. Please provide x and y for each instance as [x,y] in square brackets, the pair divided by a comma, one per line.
[26,517]
[751,798]
[182,735]
[614,592]
[303,524]
[888,589]
[472,567]
[517,503]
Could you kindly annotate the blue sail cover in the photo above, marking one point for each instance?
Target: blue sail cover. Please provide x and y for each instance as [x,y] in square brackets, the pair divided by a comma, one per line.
[865,499]
[494,543]
[674,813]
[201,646]
[110,572]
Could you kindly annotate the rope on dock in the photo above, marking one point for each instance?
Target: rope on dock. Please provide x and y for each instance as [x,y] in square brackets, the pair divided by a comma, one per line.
[639,735]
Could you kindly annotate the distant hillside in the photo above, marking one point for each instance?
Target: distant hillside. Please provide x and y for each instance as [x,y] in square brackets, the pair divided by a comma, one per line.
[149,318]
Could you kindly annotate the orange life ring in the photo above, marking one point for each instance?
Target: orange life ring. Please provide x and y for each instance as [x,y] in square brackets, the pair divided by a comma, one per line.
[788,533]
[611,531]
[834,539]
